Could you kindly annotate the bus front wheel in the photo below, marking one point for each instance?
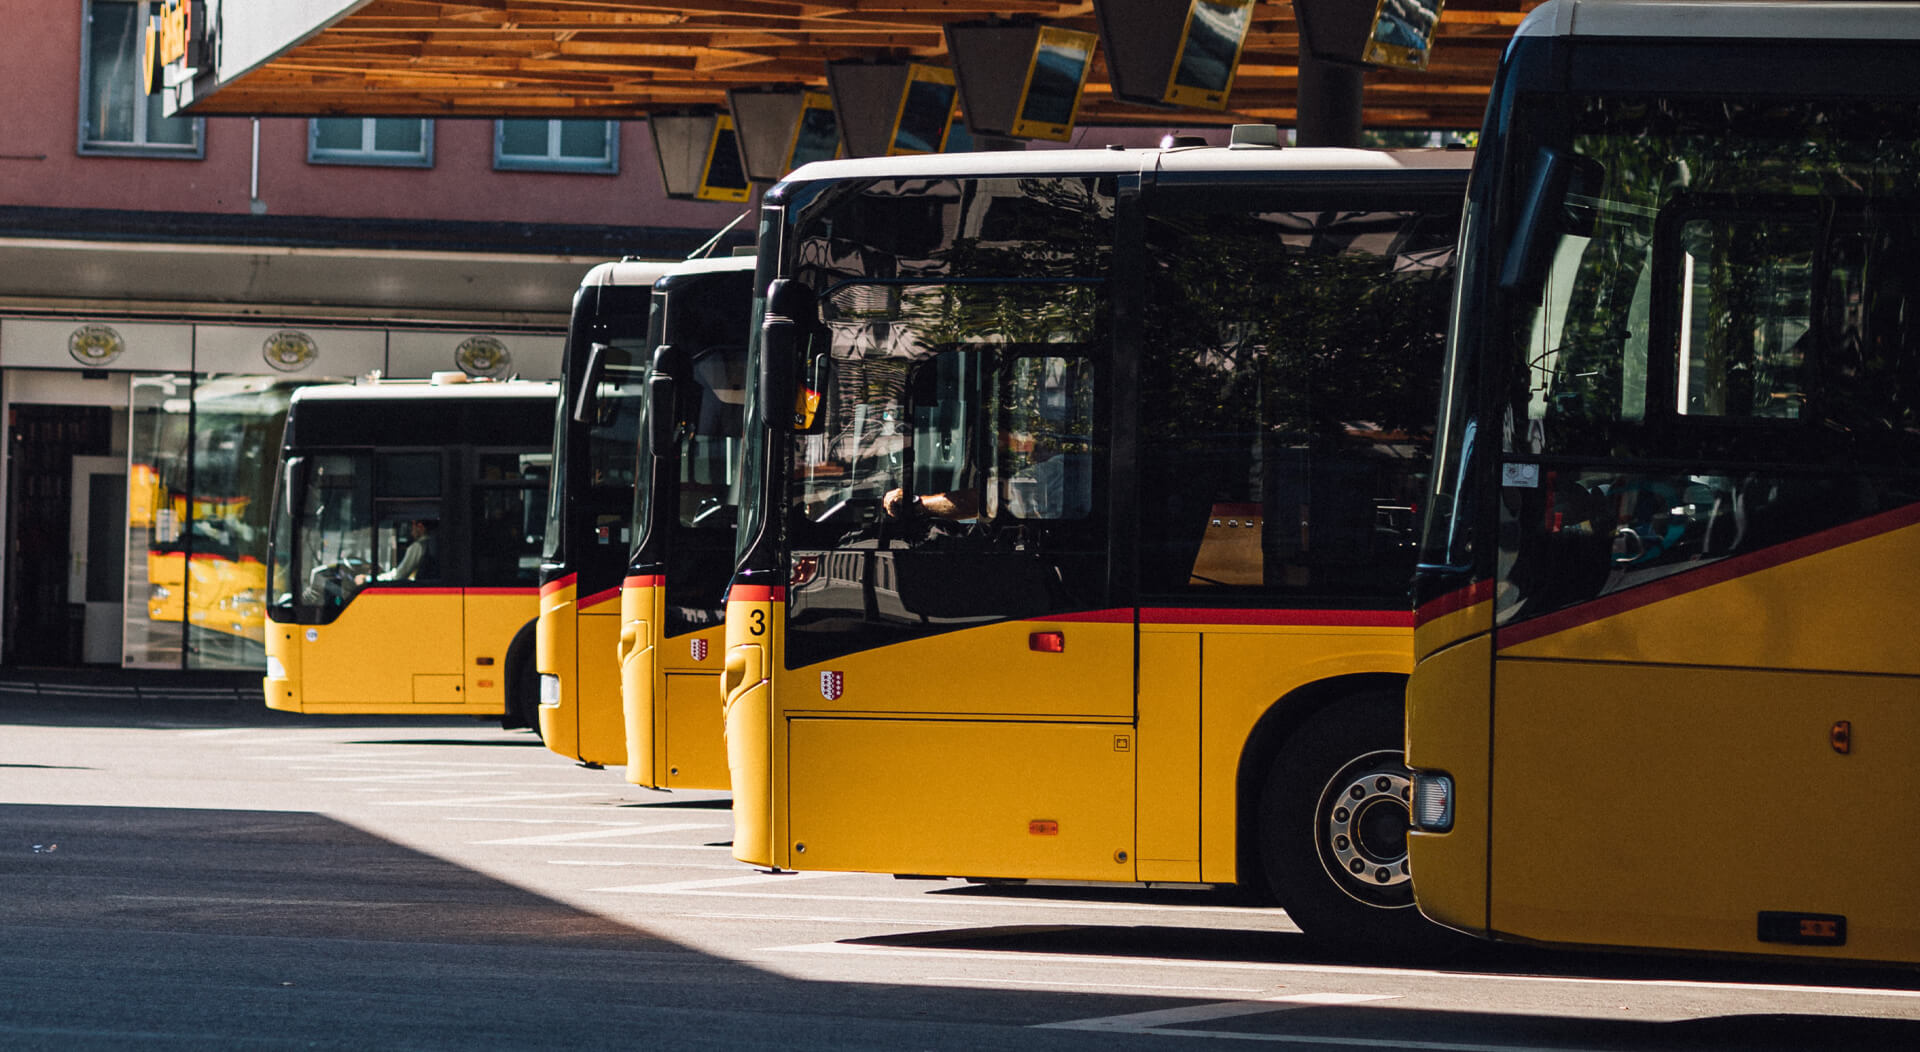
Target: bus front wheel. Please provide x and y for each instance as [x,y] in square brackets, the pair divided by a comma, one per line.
[1333,829]
[523,684]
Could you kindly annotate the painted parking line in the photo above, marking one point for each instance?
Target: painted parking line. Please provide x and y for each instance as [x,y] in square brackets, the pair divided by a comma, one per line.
[621,863]
[1064,985]
[1144,1022]
[1370,971]
[496,799]
[579,836]
[1276,917]
[686,886]
[405,776]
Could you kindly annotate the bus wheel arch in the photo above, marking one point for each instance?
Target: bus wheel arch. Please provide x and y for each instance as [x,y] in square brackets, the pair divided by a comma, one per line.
[1324,797]
[522,682]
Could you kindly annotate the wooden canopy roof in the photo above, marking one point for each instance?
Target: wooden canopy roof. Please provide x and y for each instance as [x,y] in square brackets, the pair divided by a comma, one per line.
[626,58]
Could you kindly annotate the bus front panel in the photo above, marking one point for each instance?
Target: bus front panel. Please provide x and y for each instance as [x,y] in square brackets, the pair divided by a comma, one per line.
[576,657]
[350,665]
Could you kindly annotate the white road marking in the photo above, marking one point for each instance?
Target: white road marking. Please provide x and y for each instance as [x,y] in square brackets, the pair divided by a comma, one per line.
[598,834]
[696,886]
[1144,1022]
[1362,1042]
[869,919]
[1340,969]
[321,761]
[1281,924]
[408,776]
[624,862]
[998,981]
[506,799]
[623,823]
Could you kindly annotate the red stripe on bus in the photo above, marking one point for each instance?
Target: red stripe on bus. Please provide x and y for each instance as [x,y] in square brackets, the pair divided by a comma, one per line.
[1313,618]
[644,580]
[503,591]
[757,593]
[386,589]
[1707,576]
[1120,615]
[1453,602]
[558,583]
[599,597]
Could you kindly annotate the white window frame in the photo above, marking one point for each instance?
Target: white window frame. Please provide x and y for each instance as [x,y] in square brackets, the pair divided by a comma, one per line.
[138,145]
[368,154]
[553,161]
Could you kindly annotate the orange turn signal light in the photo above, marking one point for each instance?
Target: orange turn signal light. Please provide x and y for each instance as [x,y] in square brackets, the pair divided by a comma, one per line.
[1047,642]
[1043,827]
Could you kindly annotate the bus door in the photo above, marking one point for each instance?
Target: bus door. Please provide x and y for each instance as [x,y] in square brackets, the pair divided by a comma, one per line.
[370,561]
[956,686]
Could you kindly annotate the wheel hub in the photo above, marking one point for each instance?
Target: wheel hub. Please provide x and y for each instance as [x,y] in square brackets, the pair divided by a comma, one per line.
[1364,819]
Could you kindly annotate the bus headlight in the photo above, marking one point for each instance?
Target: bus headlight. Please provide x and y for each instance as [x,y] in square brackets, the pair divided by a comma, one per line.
[275,668]
[1432,801]
[550,691]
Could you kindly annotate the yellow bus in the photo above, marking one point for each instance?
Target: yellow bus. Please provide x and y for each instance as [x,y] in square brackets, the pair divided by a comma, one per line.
[404,558]
[1666,690]
[588,533]
[1078,521]
[672,599]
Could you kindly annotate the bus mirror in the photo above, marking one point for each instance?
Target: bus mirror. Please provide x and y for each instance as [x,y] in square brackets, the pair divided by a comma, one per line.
[663,410]
[293,486]
[1555,205]
[584,401]
[785,337]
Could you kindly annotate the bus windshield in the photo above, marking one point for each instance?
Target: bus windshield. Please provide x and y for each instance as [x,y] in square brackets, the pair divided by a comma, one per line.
[603,485]
[1721,281]
[357,517]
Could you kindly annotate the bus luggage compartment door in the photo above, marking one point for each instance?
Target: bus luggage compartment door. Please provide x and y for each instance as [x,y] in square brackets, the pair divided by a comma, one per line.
[1039,800]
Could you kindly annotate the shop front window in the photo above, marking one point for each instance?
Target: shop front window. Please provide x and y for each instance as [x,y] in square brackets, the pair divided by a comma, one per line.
[202,452]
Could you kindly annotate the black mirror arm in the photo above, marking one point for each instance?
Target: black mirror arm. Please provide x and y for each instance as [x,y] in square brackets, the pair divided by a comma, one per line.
[584,399]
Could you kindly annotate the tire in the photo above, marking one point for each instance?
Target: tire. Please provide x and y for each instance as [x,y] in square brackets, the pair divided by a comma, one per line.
[1333,830]
[523,685]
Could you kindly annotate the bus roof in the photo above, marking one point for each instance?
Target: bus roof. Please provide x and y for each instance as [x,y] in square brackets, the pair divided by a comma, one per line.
[1726,19]
[628,272]
[408,390]
[710,265]
[1184,159]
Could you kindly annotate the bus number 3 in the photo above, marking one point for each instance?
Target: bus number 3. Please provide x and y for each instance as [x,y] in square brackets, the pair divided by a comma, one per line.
[758,625]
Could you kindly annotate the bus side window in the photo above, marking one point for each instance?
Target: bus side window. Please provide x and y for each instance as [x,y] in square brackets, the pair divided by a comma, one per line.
[1046,438]
[407,490]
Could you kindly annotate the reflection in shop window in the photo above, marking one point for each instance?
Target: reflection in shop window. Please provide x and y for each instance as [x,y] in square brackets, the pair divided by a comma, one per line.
[202,454]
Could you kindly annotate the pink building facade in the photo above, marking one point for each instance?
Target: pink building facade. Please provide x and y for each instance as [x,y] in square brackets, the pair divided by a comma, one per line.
[155,272]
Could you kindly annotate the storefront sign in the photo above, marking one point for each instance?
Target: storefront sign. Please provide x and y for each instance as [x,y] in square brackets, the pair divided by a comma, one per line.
[483,356]
[289,350]
[94,346]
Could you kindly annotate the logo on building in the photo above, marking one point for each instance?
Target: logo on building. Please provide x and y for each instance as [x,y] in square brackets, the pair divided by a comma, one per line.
[699,650]
[95,345]
[832,685]
[483,356]
[289,351]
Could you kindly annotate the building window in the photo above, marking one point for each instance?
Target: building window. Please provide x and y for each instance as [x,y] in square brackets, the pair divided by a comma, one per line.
[557,146]
[117,116]
[396,141]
